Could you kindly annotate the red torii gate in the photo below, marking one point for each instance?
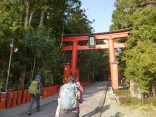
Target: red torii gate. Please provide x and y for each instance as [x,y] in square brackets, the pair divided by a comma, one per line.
[110,36]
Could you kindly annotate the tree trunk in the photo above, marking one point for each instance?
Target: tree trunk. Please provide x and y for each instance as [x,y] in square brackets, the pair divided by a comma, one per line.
[88,78]
[34,64]
[3,72]
[21,79]
[31,15]
[132,84]
[42,18]
[26,21]
[27,7]
[153,88]
[93,77]
[2,80]
[142,99]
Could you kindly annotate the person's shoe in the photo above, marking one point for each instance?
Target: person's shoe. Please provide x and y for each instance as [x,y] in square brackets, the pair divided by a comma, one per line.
[29,113]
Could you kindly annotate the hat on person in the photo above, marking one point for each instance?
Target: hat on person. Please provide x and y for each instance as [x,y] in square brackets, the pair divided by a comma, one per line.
[38,77]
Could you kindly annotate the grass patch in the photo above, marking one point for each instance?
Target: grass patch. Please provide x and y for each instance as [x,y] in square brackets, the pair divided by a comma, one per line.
[129,101]
[151,101]
[125,99]
[122,92]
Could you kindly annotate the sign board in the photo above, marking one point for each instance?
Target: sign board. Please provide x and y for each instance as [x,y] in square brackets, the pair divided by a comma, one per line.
[91,41]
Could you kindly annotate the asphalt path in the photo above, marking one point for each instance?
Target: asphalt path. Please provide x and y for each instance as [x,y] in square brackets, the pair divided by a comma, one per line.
[47,110]
[94,98]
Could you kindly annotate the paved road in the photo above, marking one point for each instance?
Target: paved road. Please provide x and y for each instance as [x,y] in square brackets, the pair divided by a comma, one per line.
[47,110]
[94,97]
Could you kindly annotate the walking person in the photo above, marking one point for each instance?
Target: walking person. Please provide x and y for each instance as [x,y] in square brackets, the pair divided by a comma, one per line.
[70,96]
[36,91]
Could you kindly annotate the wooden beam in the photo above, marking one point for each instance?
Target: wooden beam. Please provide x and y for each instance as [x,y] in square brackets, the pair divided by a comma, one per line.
[98,47]
[117,35]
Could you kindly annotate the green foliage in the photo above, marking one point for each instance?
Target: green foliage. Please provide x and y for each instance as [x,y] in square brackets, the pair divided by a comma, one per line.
[138,59]
[94,65]
[140,63]
[78,22]
[37,28]
[144,26]
[123,17]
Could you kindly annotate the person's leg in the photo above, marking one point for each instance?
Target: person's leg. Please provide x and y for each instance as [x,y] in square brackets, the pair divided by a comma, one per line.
[32,100]
[37,103]
[68,114]
[72,114]
[63,113]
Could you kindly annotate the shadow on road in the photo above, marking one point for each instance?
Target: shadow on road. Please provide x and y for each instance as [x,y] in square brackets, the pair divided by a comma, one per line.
[97,110]
[118,114]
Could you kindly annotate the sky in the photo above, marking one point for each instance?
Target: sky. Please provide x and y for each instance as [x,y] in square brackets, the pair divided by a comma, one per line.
[101,11]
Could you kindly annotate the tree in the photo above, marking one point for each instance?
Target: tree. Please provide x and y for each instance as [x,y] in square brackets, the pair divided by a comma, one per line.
[140,64]
[138,58]
[36,27]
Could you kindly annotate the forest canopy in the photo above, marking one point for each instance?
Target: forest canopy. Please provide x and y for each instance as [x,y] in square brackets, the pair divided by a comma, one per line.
[36,27]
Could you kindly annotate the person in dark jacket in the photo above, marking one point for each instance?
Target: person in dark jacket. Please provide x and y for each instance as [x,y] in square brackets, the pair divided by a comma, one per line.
[36,97]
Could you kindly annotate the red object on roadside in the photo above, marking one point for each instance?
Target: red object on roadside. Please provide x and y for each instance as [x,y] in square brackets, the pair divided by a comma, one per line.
[24,97]
[27,96]
[9,99]
[14,99]
[2,101]
[19,97]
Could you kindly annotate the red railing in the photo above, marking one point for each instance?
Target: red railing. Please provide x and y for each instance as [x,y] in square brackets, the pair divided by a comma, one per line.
[16,97]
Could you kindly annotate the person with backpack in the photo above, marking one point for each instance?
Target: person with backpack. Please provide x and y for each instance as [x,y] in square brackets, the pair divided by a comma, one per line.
[35,91]
[70,96]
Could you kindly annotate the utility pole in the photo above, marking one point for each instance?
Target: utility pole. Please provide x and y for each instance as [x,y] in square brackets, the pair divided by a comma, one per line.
[8,72]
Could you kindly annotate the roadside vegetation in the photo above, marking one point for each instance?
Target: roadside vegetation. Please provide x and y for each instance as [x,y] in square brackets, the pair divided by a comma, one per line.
[126,99]
[137,62]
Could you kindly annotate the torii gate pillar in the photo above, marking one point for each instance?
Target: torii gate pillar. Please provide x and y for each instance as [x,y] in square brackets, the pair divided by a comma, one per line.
[74,57]
[74,69]
[113,64]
